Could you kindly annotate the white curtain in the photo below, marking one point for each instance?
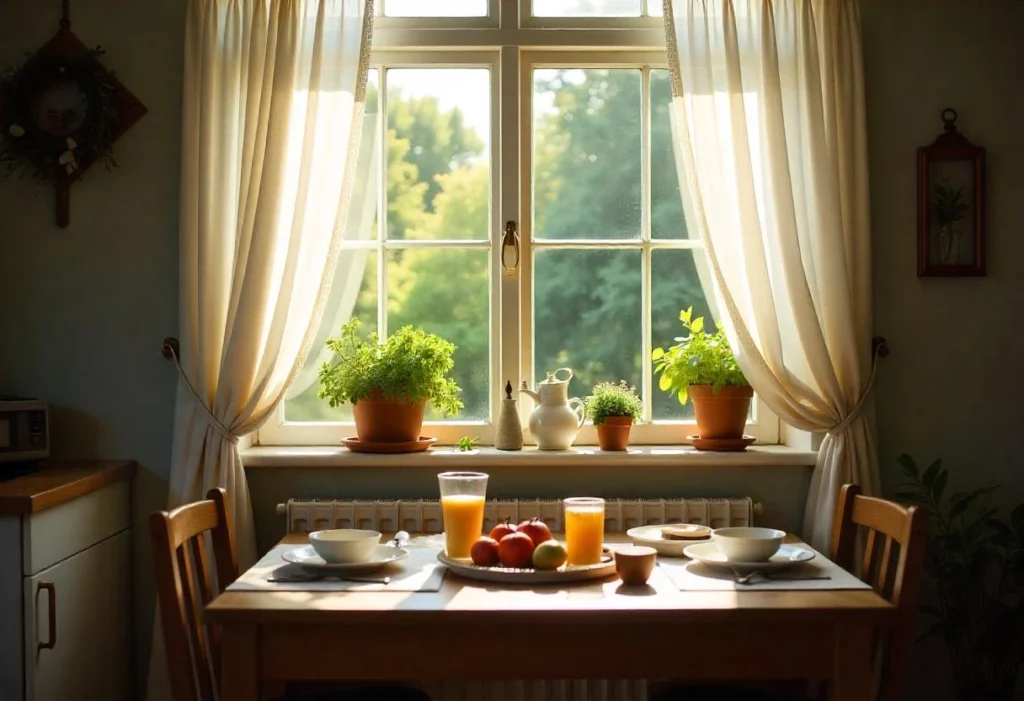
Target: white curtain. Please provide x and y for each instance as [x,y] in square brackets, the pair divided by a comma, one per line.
[273,99]
[769,125]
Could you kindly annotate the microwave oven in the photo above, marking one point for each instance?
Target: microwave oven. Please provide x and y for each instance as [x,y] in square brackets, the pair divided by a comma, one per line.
[24,430]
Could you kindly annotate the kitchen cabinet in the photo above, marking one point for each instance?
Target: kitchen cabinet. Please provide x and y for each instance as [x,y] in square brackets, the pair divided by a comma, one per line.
[65,594]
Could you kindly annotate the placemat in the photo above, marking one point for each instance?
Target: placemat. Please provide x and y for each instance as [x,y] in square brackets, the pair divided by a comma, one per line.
[690,575]
[419,572]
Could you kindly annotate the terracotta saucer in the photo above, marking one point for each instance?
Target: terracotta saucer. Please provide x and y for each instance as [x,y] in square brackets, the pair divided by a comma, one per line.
[357,446]
[722,445]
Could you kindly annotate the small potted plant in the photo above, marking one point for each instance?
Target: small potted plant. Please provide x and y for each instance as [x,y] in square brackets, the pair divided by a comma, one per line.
[389,383]
[613,408]
[701,366]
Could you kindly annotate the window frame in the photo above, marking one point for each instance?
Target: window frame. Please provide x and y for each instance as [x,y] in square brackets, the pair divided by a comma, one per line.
[511,43]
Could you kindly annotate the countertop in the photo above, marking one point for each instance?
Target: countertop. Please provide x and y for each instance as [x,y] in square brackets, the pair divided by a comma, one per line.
[59,481]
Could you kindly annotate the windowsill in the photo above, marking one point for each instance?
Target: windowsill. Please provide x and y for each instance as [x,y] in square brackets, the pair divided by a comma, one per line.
[448,457]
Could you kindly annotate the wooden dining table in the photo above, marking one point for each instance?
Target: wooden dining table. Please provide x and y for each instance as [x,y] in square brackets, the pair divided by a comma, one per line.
[473,630]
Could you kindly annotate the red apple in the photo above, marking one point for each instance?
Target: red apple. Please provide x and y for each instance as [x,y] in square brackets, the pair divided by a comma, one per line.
[536,529]
[516,550]
[485,552]
[502,530]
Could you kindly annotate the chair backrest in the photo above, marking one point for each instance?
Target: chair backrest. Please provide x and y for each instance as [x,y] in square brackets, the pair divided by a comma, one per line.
[185,584]
[892,563]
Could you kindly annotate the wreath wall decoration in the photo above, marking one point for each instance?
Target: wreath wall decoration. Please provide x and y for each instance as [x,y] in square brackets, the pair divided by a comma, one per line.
[60,112]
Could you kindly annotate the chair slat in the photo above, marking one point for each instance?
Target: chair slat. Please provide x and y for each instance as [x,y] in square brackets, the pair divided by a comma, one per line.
[868,565]
[886,568]
[197,638]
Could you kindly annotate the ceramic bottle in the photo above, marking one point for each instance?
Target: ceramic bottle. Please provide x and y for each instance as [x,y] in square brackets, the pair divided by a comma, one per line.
[510,431]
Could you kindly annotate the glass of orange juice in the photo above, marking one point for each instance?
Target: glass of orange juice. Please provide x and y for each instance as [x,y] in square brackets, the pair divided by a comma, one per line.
[584,530]
[462,510]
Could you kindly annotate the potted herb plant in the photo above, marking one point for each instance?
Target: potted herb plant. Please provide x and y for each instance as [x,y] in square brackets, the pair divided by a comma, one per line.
[701,366]
[613,408]
[974,592]
[389,383]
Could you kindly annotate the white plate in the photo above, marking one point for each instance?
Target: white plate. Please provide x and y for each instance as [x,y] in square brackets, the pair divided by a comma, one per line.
[651,536]
[709,554]
[307,558]
[512,575]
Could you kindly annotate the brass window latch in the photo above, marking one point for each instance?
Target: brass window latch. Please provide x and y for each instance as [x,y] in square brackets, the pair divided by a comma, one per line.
[510,248]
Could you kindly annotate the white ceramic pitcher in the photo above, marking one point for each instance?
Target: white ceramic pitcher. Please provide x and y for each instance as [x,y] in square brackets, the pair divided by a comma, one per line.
[554,422]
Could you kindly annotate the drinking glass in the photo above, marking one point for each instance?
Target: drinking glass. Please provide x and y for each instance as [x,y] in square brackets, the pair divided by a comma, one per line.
[462,510]
[584,530]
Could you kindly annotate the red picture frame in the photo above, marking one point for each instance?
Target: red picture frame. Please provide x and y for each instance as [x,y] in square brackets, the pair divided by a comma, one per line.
[951,192]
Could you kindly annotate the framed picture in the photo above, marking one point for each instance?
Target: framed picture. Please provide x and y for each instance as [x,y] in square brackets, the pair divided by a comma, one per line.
[951,205]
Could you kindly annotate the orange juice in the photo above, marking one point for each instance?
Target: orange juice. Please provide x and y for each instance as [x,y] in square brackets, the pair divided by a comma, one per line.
[463,516]
[584,533]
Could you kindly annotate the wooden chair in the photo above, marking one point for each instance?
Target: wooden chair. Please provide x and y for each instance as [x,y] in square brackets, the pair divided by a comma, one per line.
[186,581]
[892,563]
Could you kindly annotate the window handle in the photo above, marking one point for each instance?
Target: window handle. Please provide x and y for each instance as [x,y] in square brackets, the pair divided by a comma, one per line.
[510,248]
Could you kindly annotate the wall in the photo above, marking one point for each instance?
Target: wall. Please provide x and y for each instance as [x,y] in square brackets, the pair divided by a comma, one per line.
[952,384]
[90,304]
[85,308]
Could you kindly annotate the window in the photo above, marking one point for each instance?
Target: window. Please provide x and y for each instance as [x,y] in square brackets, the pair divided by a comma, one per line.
[554,115]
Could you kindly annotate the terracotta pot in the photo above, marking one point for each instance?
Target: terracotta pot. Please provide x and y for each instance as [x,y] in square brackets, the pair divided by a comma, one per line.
[383,420]
[721,414]
[613,432]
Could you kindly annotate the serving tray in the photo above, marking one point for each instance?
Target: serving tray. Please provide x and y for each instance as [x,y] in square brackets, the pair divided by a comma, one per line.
[512,575]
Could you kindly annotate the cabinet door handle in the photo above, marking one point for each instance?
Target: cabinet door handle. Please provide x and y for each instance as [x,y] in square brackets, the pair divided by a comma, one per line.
[52,642]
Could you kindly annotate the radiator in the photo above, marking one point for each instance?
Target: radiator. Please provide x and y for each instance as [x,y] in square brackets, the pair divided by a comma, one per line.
[424,515]
[527,690]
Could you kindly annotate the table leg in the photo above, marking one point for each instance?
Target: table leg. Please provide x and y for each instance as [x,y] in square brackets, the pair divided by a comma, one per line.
[853,679]
[238,677]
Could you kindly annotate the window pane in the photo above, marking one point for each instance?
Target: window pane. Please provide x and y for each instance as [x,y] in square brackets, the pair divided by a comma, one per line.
[586,8]
[586,153]
[586,316]
[666,199]
[675,284]
[655,8]
[438,153]
[435,8]
[345,301]
[446,291]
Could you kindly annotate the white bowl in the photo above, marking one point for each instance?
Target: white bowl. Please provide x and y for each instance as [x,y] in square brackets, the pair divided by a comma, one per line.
[748,544]
[344,545]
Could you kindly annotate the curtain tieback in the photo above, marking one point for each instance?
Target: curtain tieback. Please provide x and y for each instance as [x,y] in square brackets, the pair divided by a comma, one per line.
[170,351]
[879,350]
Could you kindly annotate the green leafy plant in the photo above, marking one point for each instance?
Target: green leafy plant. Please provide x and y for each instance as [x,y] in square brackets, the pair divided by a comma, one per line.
[701,358]
[467,443]
[410,365]
[975,588]
[610,399]
[949,205]
[948,208]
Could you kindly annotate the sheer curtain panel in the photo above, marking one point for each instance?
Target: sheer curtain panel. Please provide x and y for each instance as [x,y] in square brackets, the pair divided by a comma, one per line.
[272,108]
[769,127]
